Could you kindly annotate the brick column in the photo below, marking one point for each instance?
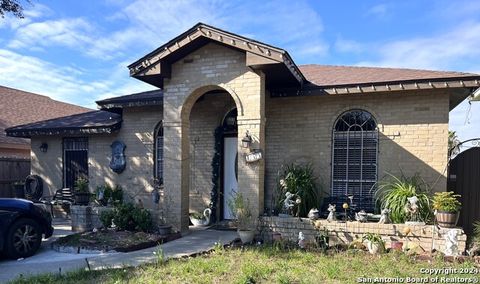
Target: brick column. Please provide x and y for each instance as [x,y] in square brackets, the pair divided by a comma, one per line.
[176,172]
[251,176]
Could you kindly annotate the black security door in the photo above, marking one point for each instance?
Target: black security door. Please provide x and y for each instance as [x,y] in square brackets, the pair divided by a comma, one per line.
[75,160]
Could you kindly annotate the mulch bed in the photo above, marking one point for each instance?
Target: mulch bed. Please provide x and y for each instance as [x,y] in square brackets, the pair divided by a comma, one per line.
[112,240]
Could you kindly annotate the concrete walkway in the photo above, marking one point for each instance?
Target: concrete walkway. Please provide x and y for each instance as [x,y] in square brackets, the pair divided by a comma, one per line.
[49,261]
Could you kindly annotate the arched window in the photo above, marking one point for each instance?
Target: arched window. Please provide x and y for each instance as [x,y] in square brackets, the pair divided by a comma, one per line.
[158,152]
[354,158]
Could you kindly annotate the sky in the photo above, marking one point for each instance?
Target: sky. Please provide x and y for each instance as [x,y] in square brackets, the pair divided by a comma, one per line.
[77,51]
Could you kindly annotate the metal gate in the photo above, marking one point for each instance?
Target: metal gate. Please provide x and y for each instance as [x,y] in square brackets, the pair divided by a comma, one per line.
[75,160]
[464,179]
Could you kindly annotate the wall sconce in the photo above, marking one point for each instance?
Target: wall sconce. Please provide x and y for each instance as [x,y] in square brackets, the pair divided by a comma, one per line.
[44,147]
[247,140]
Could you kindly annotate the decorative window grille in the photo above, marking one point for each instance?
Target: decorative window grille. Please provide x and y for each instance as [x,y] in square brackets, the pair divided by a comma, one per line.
[159,152]
[354,158]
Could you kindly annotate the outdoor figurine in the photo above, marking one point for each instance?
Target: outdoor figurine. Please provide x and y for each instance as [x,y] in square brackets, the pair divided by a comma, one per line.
[313,214]
[385,218]
[412,209]
[361,216]
[451,243]
[301,240]
[289,203]
[331,215]
[118,163]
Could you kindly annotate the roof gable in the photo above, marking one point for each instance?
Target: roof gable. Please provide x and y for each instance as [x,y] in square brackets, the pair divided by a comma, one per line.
[155,66]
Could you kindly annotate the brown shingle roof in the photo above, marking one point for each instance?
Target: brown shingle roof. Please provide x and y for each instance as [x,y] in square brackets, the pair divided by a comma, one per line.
[95,121]
[20,107]
[328,75]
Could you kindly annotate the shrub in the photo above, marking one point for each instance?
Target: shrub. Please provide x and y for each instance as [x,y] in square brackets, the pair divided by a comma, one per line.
[300,181]
[128,217]
[446,202]
[115,194]
[393,194]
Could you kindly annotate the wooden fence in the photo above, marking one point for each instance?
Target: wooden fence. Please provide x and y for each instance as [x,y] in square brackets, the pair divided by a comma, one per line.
[11,170]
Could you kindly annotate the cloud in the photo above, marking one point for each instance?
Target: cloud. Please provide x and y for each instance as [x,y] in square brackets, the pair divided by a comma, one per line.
[349,46]
[380,11]
[72,33]
[442,51]
[63,83]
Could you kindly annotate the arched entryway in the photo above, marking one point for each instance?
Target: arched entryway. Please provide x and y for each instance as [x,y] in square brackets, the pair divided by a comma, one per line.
[213,150]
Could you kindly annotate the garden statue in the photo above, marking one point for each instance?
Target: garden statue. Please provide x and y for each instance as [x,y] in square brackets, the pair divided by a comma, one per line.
[361,216]
[385,218]
[289,203]
[451,243]
[118,163]
[301,240]
[412,210]
[313,214]
[331,215]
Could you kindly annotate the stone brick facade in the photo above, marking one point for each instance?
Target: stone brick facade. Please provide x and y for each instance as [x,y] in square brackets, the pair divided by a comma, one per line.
[413,135]
[345,233]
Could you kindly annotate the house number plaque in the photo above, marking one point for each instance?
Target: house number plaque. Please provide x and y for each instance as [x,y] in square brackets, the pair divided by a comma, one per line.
[253,157]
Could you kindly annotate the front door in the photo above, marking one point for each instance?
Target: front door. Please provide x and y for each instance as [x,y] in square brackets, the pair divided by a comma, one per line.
[230,183]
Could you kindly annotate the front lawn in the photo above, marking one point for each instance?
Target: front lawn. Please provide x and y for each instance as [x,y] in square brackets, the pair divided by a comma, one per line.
[263,265]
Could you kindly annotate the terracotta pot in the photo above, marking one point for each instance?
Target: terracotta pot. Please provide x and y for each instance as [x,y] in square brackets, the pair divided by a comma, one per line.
[246,236]
[396,245]
[447,219]
[276,236]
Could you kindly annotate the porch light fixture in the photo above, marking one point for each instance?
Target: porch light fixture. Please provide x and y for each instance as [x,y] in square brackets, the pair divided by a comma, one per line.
[247,140]
[44,147]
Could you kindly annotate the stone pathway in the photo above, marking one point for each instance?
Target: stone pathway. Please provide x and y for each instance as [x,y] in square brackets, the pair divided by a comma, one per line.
[49,261]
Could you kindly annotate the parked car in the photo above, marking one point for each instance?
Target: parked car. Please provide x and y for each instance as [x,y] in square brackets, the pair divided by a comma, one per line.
[22,225]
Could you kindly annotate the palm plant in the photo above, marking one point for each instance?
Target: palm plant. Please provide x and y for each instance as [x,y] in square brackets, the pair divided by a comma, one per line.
[300,181]
[394,193]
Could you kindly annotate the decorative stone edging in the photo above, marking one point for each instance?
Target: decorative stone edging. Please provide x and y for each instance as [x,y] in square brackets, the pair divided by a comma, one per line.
[344,233]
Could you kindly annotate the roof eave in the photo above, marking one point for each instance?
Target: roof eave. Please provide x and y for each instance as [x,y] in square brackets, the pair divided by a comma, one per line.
[375,87]
[28,133]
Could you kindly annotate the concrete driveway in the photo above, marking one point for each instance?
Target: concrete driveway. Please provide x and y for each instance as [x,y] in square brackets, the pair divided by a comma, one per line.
[49,261]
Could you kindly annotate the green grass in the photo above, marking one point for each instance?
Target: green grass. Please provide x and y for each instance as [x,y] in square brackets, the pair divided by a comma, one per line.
[260,265]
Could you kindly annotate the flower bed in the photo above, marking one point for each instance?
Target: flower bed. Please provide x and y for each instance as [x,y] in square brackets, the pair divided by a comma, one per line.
[344,233]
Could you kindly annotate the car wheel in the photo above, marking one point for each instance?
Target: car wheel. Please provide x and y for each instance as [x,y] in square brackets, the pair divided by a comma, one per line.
[23,238]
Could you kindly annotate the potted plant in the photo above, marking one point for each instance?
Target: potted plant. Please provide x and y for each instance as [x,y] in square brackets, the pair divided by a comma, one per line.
[447,208]
[241,210]
[374,243]
[81,192]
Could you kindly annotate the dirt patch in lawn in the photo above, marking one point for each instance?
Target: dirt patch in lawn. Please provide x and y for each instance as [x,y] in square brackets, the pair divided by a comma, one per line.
[111,240]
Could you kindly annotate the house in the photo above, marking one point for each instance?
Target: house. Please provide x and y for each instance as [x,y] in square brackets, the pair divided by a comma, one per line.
[230,111]
[20,107]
